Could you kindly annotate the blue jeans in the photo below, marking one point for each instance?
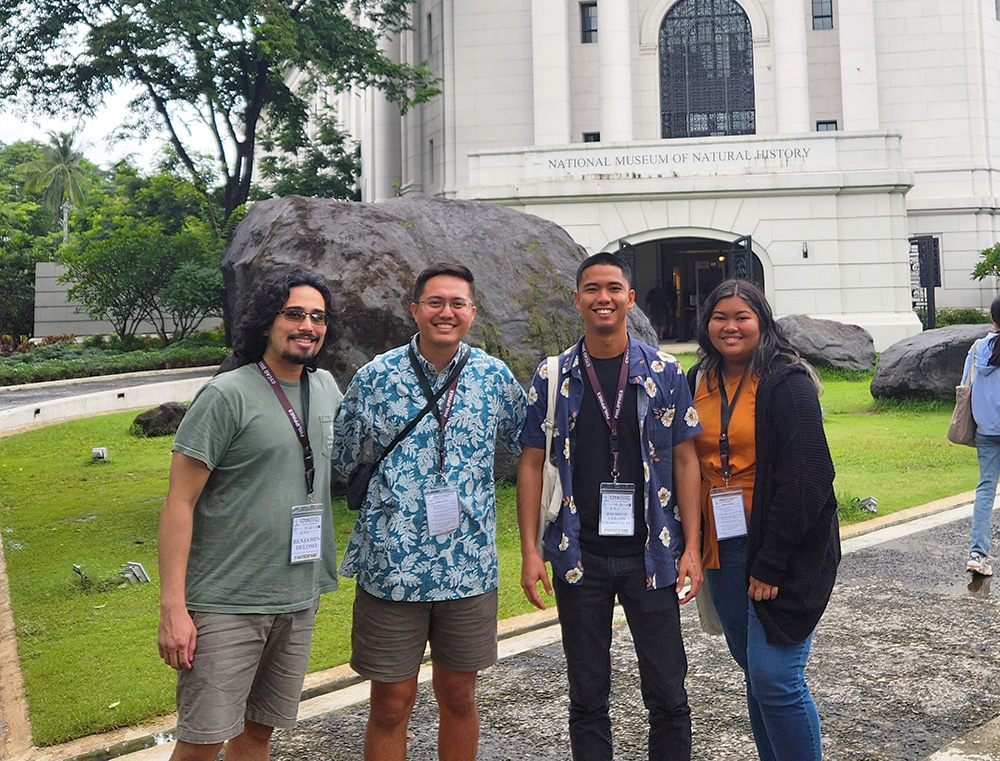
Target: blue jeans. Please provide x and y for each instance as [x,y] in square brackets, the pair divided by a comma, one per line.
[783,716]
[988,453]
[585,615]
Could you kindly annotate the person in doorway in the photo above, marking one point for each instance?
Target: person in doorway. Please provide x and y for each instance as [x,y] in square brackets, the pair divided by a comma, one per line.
[661,302]
[982,362]
[246,543]
[771,544]
[423,548]
[629,526]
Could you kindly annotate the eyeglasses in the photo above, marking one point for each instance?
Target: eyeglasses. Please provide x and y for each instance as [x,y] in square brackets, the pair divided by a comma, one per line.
[436,303]
[297,314]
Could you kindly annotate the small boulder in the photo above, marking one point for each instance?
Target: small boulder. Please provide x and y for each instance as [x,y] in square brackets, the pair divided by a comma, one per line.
[830,343]
[928,364]
[161,421]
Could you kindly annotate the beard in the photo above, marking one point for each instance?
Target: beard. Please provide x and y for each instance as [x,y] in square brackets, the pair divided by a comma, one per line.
[298,356]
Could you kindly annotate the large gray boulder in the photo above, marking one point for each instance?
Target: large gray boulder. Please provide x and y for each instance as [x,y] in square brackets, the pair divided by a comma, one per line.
[928,364]
[828,342]
[370,255]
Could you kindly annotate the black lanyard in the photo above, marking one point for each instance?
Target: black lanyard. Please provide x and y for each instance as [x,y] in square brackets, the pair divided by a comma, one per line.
[301,425]
[610,418]
[726,412]
[442,415]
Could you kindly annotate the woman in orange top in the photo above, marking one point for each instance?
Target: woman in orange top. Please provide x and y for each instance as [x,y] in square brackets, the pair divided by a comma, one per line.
[771,543]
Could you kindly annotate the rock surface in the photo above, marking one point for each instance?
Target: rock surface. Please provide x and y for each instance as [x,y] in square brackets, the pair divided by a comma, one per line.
[162,420]
[831,343]
[928,364]
[370,255]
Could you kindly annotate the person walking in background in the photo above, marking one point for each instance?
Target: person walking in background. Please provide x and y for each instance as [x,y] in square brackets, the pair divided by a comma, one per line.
[984,355]
[629,525]
[771,543]
[423,548]
[246,543]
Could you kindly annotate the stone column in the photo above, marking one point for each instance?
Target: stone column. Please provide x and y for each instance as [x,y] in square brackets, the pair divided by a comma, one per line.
[387,130]
[858,77]
[614,43]
[791,66]
[550,71]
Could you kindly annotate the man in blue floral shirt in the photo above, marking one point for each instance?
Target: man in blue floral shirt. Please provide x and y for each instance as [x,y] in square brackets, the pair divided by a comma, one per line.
[629,525]
[424,546]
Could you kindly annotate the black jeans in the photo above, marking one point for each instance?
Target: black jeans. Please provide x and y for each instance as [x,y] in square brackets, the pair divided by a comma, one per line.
[585,615]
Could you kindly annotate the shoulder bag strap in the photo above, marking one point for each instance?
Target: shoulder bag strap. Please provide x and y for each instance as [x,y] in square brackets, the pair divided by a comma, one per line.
[431,403]
[550,411]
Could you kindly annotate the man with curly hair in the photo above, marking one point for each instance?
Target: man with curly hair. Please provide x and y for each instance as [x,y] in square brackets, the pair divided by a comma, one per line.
[246,543]
[629,525]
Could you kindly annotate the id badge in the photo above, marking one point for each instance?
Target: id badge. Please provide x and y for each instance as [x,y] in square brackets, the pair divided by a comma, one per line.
[307,533]
[442,510]
[730,516]
[617,510]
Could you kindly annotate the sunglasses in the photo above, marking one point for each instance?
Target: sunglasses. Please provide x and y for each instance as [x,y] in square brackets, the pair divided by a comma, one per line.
[297,314]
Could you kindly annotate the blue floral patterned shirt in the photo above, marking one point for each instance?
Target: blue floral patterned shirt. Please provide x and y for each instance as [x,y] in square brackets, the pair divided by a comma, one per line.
[666,417]
[391,551]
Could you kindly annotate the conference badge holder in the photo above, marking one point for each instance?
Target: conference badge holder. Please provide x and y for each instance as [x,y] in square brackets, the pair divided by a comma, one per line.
[730,515]
[617,510]
[307,533]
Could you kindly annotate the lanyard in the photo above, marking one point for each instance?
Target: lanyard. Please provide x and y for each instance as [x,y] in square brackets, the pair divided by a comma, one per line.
[299,424]
[610,418]
[726,412]
[442,415]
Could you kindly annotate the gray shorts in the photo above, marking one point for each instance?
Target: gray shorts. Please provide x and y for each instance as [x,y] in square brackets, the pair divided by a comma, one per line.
[246,666]
[388,637]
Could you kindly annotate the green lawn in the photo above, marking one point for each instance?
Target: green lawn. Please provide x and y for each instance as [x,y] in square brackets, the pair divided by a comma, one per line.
[88,650]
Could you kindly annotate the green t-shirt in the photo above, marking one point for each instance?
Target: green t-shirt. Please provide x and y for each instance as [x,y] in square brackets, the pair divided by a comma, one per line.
[241,542]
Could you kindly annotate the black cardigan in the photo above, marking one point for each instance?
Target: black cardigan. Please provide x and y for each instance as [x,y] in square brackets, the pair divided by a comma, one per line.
[793,538]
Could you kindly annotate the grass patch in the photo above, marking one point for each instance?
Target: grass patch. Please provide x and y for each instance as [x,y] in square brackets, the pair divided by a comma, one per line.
[85,649]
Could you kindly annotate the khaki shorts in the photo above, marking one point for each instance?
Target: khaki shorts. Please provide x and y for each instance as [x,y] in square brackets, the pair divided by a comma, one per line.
[247,666]
[388,637]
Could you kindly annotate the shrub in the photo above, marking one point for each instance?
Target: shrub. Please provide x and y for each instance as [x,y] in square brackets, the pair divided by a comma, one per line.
[961,316]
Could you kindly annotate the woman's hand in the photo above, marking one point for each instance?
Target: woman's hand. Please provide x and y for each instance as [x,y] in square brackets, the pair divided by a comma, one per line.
[760,591]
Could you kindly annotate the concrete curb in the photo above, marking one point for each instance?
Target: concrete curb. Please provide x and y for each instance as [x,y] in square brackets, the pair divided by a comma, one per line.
[150,395]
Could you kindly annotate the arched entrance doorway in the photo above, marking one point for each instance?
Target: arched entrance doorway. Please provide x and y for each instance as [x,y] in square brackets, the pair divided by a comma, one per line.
[674,275]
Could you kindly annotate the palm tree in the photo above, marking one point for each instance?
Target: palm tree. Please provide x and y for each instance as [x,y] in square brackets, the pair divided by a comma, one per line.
[59,176]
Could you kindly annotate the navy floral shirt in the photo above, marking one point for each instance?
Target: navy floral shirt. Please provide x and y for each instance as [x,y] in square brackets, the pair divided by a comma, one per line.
[666,418]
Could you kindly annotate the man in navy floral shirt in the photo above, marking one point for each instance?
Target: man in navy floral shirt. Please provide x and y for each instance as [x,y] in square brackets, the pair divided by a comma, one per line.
[423,548]
[629,525]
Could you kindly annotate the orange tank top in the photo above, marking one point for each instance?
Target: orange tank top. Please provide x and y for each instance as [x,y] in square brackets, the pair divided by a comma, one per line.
[742,452]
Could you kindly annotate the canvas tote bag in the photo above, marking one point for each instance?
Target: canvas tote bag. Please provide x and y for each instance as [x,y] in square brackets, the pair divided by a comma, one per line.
[962,429]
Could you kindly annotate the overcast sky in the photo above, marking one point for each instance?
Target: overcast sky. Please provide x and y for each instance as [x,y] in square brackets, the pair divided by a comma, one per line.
[94,136]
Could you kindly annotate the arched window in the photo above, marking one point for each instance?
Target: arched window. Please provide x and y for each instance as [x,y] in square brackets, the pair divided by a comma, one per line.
[706,70]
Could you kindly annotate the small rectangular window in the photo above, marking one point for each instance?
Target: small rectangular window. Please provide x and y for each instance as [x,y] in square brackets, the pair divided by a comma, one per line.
[826,126]
[430,151]
[591,137]
[430,36]
[588,22]
[822,14]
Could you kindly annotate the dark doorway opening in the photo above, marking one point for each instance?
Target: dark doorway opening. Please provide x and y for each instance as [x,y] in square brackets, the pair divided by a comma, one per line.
[673,277]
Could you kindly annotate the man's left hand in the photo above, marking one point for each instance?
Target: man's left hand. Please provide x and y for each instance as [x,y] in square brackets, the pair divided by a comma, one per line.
[689,569]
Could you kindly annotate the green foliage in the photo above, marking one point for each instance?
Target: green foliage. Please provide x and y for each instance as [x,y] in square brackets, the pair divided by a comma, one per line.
[60,175]
[989,264]
[149,251]
[224,65]
[327,166]
[947,316]
[71,360]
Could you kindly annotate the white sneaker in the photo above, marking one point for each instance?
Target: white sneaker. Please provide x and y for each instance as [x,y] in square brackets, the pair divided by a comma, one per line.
[978,564]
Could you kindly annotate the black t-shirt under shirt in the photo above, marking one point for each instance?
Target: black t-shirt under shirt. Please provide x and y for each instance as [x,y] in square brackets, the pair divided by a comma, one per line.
[592,462]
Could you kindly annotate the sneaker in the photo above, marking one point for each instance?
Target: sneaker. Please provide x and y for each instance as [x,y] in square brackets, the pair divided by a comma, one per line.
[978,564]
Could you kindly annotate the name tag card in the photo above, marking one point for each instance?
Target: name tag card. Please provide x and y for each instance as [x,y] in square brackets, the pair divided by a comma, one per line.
[442,510]
[617,510]
[730,515]
[307,533]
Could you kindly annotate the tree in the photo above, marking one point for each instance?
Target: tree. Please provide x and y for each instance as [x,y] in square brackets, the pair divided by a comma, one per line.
[60,175]
[989,264]
[148,250]
[222,64]
[326,167]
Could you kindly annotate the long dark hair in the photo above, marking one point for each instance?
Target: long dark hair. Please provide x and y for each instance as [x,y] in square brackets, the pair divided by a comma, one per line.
[994,343]
[772,347]
[262,310]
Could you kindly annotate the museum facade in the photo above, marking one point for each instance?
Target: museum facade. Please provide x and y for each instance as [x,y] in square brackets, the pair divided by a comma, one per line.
[817,138]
